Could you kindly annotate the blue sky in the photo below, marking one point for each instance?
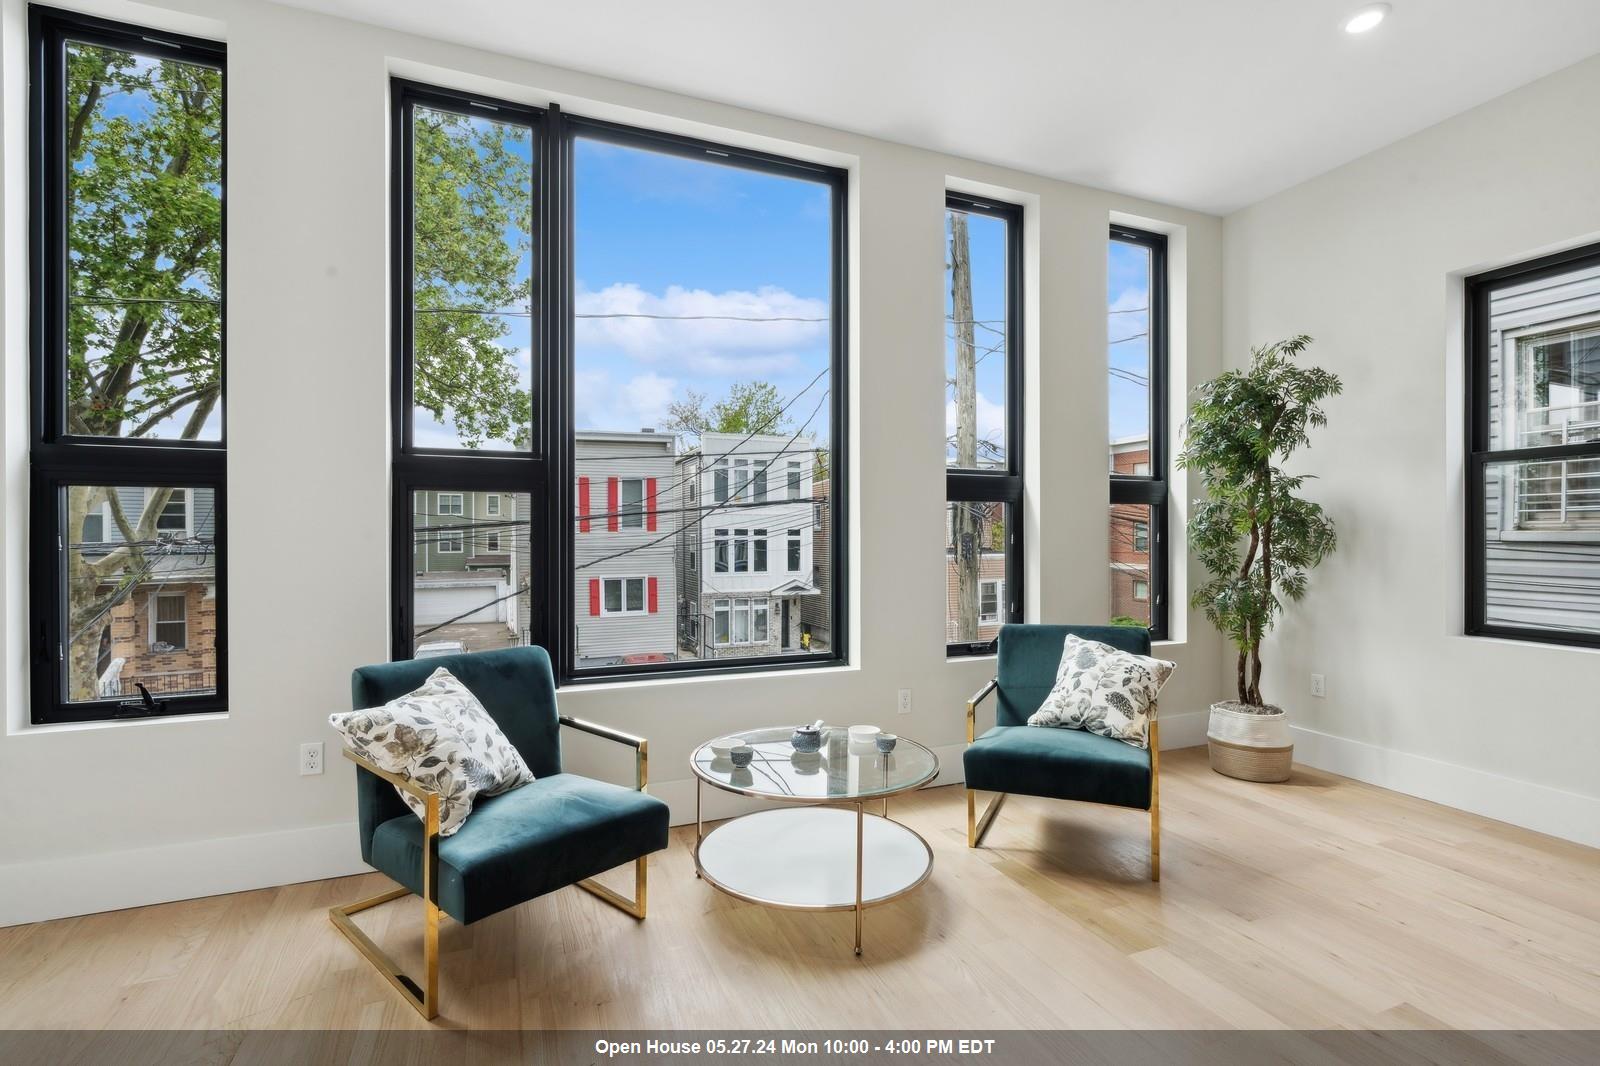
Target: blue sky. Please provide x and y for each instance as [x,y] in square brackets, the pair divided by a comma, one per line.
[663,235]
[1127,329]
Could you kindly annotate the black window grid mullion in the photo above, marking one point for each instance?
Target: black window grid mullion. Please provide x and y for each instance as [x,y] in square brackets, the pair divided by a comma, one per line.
[1152,490]
[547,471]
[58,459]
[416,469]
[1479,456]
[1000,486]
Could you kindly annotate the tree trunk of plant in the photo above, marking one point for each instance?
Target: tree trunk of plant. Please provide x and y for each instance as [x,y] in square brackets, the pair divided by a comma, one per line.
[966,521]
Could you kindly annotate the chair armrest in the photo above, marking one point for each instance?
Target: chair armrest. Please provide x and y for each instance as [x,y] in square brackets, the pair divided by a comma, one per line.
[972,706]
[640,745]
[403,784]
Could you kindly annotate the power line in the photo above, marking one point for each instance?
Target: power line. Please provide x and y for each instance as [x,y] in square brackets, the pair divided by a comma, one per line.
[713,509]
[621,314]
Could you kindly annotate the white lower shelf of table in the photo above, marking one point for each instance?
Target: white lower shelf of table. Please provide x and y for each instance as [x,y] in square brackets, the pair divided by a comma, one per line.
[805,858]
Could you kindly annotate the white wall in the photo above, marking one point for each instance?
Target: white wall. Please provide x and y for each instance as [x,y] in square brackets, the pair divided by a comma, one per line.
[108,816]
[1369,260]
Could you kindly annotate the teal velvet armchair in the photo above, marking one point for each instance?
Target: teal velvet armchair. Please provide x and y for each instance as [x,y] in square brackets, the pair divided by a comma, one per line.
[559,830]
[1068,764]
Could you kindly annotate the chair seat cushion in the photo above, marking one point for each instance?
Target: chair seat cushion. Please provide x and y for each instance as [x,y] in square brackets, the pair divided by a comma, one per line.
[543,836]
[1059,764]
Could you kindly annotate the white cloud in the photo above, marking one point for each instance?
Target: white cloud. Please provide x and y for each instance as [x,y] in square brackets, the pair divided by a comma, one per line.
[704,332]
[1134,299]
[637,403]
[991,421]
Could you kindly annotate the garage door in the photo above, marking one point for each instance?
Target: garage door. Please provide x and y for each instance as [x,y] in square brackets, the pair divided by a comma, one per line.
[438,604]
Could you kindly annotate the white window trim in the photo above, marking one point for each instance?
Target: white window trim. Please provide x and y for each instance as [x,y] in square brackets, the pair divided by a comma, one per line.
[107,524]
[999,600]
[458,497]
[624,516]
[188,511]
[150,606]
[491,505]
[752,606]
[793,538]
[622,598]
[1509,342]
[1146,583]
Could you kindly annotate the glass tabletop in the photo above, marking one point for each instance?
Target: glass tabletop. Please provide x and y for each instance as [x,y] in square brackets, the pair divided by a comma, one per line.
[839,770]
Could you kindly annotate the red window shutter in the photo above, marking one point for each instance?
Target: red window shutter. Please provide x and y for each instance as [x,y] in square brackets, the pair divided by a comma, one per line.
[583,505]
[652,595]
[650,505]
[594,596]
[611,504]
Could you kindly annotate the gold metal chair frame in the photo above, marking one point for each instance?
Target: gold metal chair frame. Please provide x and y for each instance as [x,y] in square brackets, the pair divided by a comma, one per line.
[978,825]
[424,997]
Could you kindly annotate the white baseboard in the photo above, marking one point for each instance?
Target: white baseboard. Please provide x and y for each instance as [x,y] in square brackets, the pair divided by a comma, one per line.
[108,881]
[1568,815]
[113,880]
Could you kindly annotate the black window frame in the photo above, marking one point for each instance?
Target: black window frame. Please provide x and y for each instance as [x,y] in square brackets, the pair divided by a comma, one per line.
[417,469]
[1479,290]
[1153,489]
[58,459]
[547,470]
[999,486]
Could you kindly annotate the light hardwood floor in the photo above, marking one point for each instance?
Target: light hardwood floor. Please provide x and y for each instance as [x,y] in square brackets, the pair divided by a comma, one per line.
[1320,903]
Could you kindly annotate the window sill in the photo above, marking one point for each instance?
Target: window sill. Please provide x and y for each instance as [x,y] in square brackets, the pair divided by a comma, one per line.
[571,687]
[29,729]
[985,657]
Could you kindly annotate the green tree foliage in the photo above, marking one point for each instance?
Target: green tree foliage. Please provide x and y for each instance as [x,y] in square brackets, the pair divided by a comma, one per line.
[1252,533]
[144,321]
[473,226]
[144,206]
[749,407]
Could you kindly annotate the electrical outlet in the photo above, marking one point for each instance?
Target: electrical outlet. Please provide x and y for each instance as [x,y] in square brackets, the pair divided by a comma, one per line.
[311,758]
[905,701]
[1319,685]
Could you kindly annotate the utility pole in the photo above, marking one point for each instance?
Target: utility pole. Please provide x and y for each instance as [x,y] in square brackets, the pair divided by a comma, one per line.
[966,526]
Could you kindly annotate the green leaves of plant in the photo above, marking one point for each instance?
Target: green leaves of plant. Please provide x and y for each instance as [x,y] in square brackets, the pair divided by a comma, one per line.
[1253,534]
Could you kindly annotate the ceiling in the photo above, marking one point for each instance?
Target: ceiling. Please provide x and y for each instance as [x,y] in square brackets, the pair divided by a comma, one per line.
[1208,104]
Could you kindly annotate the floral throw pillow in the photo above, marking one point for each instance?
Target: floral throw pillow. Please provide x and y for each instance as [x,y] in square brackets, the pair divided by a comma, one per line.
[1104,690]
[441,737]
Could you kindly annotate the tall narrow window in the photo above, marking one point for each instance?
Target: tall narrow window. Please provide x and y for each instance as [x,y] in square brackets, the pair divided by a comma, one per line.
[1136,331]
[1533,472]
[127,460]
[466,362]
[706,355]
[983,421]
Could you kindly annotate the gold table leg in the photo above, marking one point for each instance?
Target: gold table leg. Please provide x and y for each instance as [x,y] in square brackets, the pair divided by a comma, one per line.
[861,814]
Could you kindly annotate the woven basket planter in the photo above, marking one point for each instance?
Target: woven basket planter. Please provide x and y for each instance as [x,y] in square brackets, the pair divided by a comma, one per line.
[1250,744]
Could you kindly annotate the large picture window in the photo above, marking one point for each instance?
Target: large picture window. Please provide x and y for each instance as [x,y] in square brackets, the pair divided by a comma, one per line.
[983,421]
[1533,472]
[583,411]
[706,376]
[128,588]
[1136,363]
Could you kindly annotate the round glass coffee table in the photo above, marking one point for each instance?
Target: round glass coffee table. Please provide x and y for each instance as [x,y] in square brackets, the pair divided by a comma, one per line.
[822,851]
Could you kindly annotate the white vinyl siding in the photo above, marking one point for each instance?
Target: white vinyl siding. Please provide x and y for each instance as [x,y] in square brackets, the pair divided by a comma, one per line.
[647,554]
[1541,569]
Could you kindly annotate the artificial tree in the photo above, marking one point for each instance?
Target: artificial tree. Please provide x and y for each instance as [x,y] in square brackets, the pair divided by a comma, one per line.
[1252,533]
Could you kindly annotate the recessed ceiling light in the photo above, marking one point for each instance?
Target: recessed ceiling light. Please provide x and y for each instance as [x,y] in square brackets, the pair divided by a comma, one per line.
[1366,18]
